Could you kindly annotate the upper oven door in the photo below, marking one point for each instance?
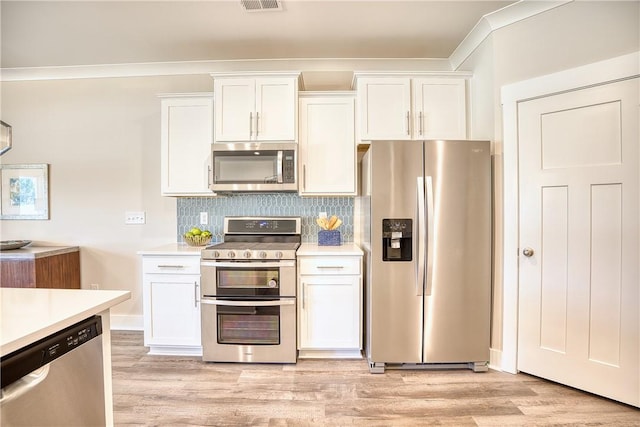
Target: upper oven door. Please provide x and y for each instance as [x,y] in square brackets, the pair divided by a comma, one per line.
[254,167]
[252,279]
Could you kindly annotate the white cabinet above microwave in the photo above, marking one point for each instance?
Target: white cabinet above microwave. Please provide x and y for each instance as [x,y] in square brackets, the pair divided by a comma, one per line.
[256,107]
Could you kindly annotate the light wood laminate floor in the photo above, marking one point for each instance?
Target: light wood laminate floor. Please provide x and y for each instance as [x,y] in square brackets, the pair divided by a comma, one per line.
[172,391]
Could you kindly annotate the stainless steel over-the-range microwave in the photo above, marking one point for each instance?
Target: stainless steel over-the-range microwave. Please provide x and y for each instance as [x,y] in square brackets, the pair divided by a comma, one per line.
[260,167]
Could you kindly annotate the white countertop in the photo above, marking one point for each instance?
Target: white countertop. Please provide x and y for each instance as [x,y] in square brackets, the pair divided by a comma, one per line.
[313,249]
[28,315]
[32,252]
[174,249]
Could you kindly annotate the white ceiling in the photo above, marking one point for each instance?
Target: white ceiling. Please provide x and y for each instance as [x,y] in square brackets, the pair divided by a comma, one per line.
[70,33]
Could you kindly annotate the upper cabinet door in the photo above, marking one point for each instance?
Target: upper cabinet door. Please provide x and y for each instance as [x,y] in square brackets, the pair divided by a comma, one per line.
[327,146]
[235,109]
[439,108]
[384,108]
[275,110]
[185,139]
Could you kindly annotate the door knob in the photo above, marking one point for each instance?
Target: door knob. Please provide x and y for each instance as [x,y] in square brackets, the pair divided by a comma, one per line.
[527,252]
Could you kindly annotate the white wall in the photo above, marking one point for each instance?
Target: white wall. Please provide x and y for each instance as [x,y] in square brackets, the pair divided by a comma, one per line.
[101,138]
[571,35]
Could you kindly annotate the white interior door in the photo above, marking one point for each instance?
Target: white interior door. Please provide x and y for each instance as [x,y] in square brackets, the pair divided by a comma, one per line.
[578,281]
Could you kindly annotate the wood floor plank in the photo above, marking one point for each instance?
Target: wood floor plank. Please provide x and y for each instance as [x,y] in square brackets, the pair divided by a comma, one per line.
[184,391]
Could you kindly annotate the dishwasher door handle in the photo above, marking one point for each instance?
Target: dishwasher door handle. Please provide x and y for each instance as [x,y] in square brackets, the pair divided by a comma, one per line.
[24,384]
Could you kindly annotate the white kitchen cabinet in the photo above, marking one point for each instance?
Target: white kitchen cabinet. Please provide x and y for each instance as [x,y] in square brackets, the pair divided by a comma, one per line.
[171,303]
[186,126]
[256,107]
[327,145]
[330,301]
[439,108]
[384,107]
[410,107]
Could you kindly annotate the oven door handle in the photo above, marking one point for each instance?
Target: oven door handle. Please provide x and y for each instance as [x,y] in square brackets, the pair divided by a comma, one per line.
[235,303]
[248,264]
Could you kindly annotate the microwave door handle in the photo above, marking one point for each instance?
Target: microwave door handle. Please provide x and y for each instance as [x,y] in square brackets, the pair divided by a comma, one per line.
[279,167]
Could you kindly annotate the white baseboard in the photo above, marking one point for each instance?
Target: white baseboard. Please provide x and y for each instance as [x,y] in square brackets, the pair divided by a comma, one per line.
[495,359]
[330,354]
[175,350]
[123,322]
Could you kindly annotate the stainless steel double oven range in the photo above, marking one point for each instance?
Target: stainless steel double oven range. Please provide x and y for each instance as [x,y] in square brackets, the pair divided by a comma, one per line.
[248,295]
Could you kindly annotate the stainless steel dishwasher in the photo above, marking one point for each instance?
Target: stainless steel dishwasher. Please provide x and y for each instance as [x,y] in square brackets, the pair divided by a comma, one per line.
[57,380]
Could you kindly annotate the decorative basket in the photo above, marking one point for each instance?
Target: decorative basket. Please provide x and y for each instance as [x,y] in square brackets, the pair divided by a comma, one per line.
[329,238]
[197,240]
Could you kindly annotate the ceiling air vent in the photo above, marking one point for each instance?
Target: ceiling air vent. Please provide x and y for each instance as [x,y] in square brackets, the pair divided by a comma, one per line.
[261,5]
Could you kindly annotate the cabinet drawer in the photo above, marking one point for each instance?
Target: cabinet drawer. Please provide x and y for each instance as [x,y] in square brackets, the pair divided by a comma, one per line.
[171,265]
[330,265]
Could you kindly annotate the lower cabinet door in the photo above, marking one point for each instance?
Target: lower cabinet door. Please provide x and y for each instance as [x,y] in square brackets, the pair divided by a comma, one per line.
[329,312]
[171,310]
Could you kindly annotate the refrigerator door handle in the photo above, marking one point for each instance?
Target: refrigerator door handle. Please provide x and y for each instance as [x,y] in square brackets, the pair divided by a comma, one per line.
[430,248]
[421,232]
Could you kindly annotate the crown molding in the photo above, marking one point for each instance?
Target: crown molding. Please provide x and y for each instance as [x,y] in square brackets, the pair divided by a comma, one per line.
[493,21]
[311,65]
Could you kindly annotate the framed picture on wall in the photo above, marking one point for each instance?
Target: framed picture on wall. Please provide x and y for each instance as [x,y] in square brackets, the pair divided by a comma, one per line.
[5,137]
[24,191]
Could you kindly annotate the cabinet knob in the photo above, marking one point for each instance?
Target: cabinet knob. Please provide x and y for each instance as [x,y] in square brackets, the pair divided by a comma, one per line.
[528,252]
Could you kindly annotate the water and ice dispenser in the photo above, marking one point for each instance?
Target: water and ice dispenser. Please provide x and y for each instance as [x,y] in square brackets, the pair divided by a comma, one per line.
[397,240]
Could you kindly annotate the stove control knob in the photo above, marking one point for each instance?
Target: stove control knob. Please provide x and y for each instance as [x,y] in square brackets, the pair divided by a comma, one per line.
[279,254]
[216,254]
[247,254]
[263,254]
[232,254]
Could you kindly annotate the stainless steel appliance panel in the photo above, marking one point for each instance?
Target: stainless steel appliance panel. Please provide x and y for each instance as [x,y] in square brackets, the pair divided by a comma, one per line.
[458,302]
[286,283]
[396,309]
[252,336]
[254,167]
[68,391]
[430,304]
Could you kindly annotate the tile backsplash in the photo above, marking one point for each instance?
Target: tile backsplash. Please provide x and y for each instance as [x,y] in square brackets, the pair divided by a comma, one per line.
[277,204]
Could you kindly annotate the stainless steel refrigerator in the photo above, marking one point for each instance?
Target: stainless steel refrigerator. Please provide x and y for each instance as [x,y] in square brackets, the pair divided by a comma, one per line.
[427,235]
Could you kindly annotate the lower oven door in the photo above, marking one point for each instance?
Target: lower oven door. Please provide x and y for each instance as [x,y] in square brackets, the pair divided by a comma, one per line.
[241,330]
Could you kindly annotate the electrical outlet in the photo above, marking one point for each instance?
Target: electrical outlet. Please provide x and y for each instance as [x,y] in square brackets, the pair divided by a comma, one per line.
[134,217]
[204,218]
[322,215]
[94,286]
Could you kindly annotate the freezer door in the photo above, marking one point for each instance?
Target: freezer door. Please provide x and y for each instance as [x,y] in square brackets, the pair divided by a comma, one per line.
[394,292]
[458,298]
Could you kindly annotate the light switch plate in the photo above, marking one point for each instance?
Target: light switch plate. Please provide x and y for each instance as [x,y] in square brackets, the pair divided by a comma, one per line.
[134,217]
[204,218]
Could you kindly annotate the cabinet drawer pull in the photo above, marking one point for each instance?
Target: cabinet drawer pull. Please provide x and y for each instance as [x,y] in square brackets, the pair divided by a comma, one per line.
[330,266]
[420,120]
[170,266]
